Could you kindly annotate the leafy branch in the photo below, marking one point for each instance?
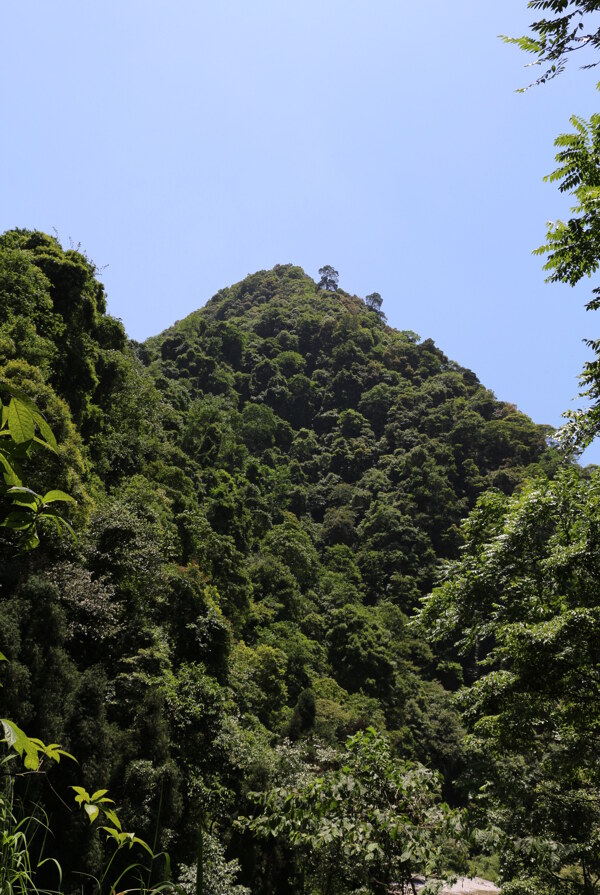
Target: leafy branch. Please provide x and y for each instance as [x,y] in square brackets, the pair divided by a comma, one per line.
[552,40]
[22,430]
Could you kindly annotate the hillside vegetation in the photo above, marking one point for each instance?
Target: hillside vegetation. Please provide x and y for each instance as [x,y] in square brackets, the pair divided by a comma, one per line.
[265,492]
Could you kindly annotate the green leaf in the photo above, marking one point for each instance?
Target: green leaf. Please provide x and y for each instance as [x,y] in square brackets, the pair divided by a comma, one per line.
[43,443]
[81,794]
[17,520]
[112,817]
[20,421]
[114,834]
[68,755]
[58,521]
[56,495]
[12,733]
[92,812]
[9,474]
[31,542]
[31,761]
[55,752]
[17,740]
[23,497]
[20,396]
[143,844]
[46,432]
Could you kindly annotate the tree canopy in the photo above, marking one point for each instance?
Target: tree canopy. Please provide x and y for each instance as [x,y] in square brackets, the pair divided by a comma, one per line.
[521,605]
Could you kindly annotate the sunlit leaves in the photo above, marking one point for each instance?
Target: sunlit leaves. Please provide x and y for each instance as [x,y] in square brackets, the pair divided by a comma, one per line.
[31,749]
[365,817]
[522,606]
[570,26]
[96,806]
[573,248]
[20,421]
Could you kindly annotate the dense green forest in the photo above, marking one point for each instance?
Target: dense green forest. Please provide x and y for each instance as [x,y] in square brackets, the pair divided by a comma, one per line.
[265,492]
[290,603]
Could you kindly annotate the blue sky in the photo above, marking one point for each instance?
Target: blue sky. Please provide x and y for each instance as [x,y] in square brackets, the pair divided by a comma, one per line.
[185,144]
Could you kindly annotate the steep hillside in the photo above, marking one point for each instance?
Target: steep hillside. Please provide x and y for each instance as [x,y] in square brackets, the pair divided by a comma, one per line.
[265,490]
[374,440]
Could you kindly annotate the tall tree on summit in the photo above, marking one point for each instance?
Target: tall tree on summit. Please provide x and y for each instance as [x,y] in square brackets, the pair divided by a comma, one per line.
[374,301]
[329,278]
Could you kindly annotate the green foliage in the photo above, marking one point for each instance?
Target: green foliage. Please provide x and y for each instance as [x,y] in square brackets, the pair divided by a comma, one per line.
[20,859]
[263,494]
[374,302]
[329,278]
[571,26]
[361,819]
[219,875]
[74,307]
[573,252]
[18,866]
[357,649]
[30,749]
[522,606]
[22,429]
[573,248]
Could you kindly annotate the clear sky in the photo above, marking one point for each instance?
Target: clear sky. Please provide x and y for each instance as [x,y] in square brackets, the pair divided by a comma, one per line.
[186,143]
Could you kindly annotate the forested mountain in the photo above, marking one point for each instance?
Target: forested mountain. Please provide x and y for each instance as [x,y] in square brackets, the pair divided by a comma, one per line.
[264,493]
